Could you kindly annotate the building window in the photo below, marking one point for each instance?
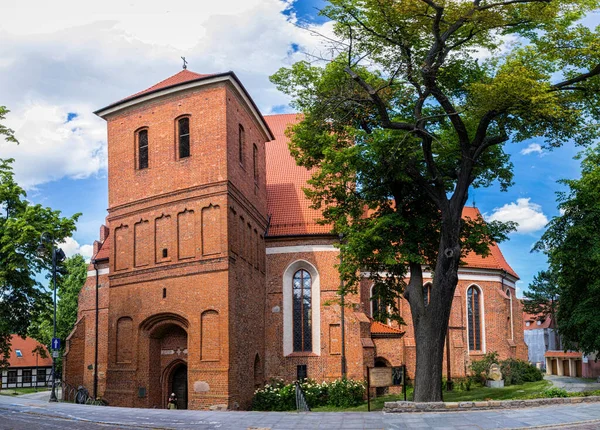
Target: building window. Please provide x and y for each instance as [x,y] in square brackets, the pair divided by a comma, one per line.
[378,308]
[41,376]
[255,163]
[302,285]
[241,138]
[12,377]
[27,376]
[142,140]
[183,137]
[474,318]
[426,294]
[301,309]
[18,353]
[301,372]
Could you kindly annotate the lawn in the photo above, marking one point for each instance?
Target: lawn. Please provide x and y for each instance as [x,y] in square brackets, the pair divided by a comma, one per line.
[17,391]
[475,394]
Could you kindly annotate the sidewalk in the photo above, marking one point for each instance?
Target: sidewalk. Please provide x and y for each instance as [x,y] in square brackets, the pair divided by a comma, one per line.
[566,415]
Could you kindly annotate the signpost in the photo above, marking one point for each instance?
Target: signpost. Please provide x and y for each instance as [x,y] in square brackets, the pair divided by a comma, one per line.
[55,343]
[385,377]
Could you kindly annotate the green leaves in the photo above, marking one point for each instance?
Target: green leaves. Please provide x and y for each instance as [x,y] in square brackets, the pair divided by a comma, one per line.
[572,244]
[21,225]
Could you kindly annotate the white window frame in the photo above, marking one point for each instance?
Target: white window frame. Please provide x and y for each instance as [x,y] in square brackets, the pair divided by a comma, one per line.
[288,311]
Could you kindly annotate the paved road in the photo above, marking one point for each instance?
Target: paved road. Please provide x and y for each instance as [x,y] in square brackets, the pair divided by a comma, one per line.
[21,413]
[572,384]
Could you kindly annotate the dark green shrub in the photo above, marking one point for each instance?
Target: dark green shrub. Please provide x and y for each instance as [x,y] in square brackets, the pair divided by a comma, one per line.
[315,394]
[480,368]
[346,392]
[555,392]
[275,396]
[517,372]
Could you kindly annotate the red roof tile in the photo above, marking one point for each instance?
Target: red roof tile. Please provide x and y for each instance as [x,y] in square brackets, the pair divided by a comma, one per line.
[562,354]
[104,251]
[178,78]
[495,260]
[28,359]
[546,322]
[381,328]
[287,205]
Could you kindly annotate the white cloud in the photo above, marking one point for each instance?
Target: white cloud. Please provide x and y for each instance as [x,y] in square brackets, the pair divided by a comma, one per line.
[73,56]
[533,147]
[528,215]
[71,247]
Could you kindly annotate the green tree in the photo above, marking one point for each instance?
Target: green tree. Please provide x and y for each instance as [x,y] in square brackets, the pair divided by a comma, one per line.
[405,118]
[21,226]
[69,284]
[543,294]
[572,243]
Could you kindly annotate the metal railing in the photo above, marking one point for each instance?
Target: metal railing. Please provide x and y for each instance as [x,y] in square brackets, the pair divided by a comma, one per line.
[301,404]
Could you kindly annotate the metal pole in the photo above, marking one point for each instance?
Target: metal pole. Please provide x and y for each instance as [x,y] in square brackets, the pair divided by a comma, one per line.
[53,397]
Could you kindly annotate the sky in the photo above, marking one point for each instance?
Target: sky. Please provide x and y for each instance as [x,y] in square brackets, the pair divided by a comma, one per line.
[70,58]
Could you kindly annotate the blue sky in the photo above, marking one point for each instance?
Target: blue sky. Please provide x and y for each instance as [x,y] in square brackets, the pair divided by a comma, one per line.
[69,59]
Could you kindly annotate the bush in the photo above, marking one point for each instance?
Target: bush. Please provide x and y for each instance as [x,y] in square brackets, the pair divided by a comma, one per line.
[555,392]
[480,368]
[517,372]
[346,392]
[277,396]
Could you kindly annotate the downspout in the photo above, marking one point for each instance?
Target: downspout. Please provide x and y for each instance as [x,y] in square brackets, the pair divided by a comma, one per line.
[96,342]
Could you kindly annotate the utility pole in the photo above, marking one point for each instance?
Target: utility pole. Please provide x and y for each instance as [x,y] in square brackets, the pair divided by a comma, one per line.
[342,306]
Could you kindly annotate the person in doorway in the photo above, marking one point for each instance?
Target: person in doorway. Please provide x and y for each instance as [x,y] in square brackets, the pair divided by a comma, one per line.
[172,401]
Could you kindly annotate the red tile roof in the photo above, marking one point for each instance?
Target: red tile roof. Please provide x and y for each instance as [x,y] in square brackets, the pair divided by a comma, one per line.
[28,359]
[287,205]
[178,78]
[562,354]
[104,251]
[381,328]
[546,322]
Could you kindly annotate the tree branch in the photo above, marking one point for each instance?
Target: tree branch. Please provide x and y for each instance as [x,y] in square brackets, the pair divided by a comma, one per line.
[583,77]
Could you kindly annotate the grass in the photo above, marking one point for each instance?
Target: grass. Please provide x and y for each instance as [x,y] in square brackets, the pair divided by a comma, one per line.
[18,391]
[512,392]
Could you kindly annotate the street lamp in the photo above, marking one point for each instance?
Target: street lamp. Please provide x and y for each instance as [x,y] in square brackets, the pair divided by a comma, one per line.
[57,257]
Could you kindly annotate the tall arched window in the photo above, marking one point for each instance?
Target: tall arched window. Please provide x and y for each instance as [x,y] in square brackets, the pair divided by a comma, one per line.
[474,318]
[183,137]
[510,330]
[378,310]
[302,298]
[142,141]
[241,139]
[255,163]
[426,293]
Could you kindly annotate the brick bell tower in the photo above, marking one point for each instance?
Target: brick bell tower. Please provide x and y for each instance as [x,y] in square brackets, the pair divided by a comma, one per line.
[187,216]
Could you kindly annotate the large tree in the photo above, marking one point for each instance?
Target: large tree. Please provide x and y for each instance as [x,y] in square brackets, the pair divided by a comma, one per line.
[21,225]
[69,284]
[409,113]
[572,243]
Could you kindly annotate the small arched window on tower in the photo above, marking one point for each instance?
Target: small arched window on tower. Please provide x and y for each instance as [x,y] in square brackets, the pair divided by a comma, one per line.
[183,137]
[142,143]
[474,318]
[302,311]
[426,293]
[241,138]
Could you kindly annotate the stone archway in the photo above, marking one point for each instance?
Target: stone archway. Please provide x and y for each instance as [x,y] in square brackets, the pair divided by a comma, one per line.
[167,339]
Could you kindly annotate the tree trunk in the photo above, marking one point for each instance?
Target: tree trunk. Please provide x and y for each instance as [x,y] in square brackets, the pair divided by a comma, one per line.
[431,322]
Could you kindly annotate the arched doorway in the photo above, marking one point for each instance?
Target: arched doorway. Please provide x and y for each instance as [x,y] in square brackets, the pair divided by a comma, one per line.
[178,384]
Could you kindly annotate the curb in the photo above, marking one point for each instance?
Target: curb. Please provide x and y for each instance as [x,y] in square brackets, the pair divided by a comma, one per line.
[401,406]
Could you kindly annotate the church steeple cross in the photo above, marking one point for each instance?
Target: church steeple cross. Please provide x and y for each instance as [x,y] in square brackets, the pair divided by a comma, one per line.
[184,63]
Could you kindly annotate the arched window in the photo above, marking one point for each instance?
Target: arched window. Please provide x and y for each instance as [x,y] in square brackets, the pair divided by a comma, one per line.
[474,318]
[241,139]
[302,296]
[426,294]
[142,142]
[183,137]
[378,309]
[510,330]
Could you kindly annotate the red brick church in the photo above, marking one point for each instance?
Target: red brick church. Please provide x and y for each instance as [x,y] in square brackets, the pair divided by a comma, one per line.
[212,276]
